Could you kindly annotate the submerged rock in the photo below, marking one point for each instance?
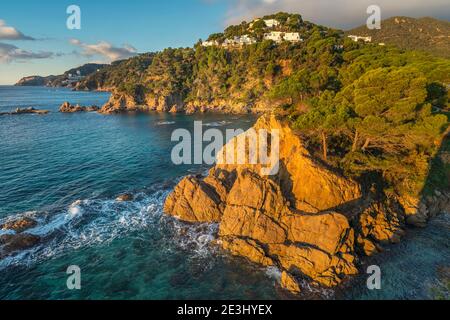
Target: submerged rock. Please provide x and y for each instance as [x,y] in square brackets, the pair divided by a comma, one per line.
[19,225]
[29,110]
[12,243]
[125,197]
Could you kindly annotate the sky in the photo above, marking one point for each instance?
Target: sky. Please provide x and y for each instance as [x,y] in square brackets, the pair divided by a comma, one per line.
[35,40]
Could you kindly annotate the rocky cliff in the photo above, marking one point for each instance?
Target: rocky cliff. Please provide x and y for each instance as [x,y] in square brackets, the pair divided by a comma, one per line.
[123,103]
[307,220]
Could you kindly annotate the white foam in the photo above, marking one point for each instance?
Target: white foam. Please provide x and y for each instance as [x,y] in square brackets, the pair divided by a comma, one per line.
[165,123]
[274,273]
[97,222]
[87,223]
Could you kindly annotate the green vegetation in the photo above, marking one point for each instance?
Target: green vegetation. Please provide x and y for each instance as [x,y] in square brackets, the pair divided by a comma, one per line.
[366,108]
[427,34]
[385,114]
[124,74]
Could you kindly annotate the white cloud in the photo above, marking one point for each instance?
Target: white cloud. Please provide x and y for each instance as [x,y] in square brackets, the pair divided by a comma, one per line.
[10,33]
[10,53]
[335,13]
[105,49]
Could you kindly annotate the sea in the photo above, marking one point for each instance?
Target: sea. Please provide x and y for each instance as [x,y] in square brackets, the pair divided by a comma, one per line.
[66,170]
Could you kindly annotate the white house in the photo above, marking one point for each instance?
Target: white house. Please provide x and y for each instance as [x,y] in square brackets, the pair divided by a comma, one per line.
[292,37]
[246,39]
[270,23]
[228,43]
[239,41]
[357,38]
[210,43]
[276,36]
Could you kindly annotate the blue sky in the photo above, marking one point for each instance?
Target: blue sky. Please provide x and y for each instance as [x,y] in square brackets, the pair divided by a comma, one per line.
[144,25]
[115,27]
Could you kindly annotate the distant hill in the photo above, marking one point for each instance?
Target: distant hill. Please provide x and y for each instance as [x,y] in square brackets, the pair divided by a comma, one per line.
[426,34]
[68,79]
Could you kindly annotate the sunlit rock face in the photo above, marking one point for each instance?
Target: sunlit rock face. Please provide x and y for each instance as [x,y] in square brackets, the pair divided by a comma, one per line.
[307,220]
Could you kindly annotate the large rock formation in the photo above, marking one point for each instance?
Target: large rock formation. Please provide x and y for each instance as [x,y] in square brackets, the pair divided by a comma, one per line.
[285,220]
[307,220]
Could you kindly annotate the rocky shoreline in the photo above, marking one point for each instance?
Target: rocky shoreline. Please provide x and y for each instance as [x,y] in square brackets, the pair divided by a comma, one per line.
[125,103]
[309,222]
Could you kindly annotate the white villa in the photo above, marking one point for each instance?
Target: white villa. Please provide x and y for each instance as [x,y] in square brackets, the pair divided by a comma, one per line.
[292,36]
[210,43]
[239,41]
[246,39]
[270,23]
[278,36]
[357,38]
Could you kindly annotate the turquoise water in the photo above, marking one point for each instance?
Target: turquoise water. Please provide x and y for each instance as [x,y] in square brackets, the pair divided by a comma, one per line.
[65,170]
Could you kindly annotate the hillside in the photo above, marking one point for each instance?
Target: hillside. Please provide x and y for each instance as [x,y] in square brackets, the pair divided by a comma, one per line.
[226,76]
[67,79]
[427,34]
[243,70]
[362,107]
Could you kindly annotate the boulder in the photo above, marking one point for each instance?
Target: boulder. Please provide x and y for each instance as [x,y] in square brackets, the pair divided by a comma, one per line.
[193,200]
[66,107]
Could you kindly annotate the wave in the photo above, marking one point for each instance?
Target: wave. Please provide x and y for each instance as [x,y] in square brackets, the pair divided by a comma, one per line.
[163,123]
[98,222]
